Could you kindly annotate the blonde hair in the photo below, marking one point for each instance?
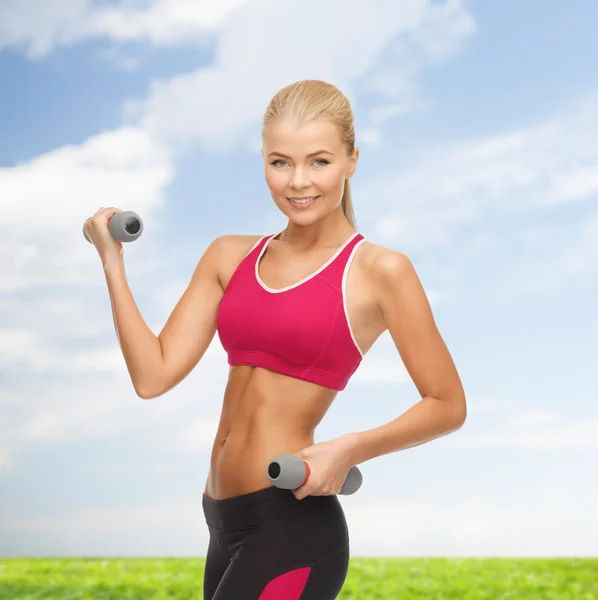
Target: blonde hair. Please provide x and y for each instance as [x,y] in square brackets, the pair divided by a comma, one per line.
[307,100]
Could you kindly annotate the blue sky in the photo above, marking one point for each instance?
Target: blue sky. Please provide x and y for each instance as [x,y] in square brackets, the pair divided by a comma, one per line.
[478,160]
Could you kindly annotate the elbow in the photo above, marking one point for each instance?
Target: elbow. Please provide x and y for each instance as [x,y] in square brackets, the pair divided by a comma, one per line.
[146,392]
[457,420]
[456,412]
[150,384]
[158,385]
[460,413]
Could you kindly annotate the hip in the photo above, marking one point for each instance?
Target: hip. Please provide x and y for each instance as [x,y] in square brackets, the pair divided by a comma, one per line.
[315,524]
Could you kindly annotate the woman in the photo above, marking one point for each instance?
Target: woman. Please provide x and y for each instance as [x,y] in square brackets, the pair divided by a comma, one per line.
[296,312]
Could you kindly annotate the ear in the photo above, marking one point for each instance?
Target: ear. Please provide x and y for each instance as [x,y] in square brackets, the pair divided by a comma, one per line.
[353,162]
[262,151]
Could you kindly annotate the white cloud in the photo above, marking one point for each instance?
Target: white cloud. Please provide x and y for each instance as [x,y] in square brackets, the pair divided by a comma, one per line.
[39,28]
[528,419]
[581,256]
[508,173]
[173,528]
[370,137]
[160,21]
[542,432]
[547,261]
[492,205]
[470,526]
[111,520]
[467,526]
[99,400]
[44,204]
[221,104]
[377,368]
[46,201]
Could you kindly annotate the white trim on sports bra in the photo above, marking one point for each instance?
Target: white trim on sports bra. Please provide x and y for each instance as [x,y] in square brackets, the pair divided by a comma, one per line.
[305,279]
[344,286]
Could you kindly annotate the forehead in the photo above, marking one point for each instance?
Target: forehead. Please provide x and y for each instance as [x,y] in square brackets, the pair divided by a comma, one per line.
[293,134]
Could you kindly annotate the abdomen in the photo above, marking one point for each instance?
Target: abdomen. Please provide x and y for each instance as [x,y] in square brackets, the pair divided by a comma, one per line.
[264,414]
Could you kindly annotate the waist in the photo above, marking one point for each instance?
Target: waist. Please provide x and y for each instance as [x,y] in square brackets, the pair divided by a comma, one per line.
[249,450]
[239,464]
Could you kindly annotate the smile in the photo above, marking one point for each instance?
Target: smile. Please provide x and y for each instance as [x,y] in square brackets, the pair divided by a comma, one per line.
[303,202]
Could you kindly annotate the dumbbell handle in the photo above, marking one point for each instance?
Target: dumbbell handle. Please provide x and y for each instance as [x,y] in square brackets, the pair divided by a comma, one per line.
[124,226]
[289,472]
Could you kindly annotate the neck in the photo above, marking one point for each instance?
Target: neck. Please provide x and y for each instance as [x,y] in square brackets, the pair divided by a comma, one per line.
[333,230]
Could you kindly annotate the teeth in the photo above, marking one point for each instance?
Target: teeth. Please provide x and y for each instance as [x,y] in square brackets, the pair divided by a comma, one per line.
[302,201]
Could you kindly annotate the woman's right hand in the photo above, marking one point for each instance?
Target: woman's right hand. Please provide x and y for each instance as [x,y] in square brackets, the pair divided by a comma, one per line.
[96,229]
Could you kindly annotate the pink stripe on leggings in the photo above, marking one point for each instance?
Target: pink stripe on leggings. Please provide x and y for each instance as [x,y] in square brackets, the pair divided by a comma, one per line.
[288,586]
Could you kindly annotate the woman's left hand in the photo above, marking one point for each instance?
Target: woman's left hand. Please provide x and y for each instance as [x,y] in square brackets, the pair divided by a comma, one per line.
[329,463]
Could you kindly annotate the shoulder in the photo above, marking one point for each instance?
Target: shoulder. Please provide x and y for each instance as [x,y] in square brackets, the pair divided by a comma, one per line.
[383,265]
[391,277]
[228,251]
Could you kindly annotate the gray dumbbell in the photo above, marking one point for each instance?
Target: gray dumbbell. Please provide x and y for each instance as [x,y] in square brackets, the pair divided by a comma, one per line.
[289,472]
[124,226]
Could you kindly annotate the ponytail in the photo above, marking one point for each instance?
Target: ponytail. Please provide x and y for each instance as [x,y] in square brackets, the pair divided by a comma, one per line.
[347,204]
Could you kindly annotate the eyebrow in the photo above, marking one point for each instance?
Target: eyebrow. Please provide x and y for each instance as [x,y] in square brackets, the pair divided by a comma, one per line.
[308,156]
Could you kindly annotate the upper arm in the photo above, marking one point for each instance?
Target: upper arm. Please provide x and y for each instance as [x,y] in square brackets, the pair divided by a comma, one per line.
[408,316]
[191,326]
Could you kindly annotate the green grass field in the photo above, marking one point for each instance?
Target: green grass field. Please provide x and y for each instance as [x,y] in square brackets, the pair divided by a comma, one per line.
[368,579]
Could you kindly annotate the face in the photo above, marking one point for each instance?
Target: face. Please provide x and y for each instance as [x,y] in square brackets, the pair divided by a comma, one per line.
[305,161]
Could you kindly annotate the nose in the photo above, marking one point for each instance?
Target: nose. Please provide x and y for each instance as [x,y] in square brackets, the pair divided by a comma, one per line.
[299,178]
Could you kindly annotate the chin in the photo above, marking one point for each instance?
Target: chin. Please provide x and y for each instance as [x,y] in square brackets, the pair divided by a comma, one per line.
[304,218]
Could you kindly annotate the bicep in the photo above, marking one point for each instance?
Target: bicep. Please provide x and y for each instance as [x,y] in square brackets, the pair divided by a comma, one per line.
[408,315]
[191,326]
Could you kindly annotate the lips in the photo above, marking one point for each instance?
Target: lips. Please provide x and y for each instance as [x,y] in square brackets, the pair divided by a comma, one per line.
[302,203]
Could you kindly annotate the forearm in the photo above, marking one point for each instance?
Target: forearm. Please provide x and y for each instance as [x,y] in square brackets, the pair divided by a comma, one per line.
[140,346]
[425,421]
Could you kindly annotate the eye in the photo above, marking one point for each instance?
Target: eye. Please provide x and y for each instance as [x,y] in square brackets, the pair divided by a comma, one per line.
[320,160]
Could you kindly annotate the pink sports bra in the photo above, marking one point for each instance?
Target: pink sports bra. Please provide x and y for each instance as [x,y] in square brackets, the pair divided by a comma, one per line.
[302,330]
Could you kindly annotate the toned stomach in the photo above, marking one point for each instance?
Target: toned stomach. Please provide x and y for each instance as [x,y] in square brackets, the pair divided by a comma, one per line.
[264,414]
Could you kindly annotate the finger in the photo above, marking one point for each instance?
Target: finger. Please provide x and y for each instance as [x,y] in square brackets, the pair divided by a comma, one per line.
[88,225]
[301,492]
[105,213]
[109,212]
[112,209]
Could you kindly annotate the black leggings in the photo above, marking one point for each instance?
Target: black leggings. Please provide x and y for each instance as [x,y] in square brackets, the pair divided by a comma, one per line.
[267,545]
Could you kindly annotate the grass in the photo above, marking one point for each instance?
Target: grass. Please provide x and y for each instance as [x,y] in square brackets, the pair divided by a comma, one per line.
[368,579]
